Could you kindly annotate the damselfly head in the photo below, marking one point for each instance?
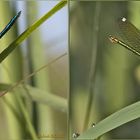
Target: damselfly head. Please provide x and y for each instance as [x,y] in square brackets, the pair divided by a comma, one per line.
[113,39]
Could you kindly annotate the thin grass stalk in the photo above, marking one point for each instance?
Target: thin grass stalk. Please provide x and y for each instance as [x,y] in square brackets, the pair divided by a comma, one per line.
[36,94]
[27,119]
[93,64]
[29,30]
[41,79]
[12,73]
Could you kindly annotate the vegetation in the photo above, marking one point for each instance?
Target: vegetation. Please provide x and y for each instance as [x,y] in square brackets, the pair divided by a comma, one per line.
[96,98]
[104,78]
[27,102]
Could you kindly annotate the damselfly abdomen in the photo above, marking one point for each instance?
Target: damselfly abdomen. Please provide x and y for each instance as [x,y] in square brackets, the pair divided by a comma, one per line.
[9,25]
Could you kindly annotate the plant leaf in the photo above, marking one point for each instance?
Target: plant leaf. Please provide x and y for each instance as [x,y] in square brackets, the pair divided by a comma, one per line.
[113,121]
[29,30]
[39,96]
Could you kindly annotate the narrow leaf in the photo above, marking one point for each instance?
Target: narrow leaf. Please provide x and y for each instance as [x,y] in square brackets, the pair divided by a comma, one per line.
[29,30]
[113,121]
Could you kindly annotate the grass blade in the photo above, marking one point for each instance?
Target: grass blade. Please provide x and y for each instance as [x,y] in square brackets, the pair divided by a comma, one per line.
[29,30]
[113,121]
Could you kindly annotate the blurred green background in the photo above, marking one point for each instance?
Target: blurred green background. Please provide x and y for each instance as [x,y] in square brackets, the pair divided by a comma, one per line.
[104,77]
[99,79]
[31,110]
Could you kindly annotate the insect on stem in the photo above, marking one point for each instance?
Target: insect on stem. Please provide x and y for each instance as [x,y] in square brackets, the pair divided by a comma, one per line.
[9,25]
[118,41]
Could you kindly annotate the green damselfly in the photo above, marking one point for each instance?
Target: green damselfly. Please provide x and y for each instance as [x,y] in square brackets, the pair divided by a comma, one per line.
[9,25]
[132,35]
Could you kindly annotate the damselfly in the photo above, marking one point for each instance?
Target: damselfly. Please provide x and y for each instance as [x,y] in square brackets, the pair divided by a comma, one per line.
[10,24]
[132,35]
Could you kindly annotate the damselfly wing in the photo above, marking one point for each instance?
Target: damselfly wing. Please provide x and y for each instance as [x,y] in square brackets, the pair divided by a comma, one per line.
[131,34]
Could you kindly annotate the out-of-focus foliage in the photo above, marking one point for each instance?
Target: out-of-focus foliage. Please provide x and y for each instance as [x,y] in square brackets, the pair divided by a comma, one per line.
[24,115]
[114,83]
